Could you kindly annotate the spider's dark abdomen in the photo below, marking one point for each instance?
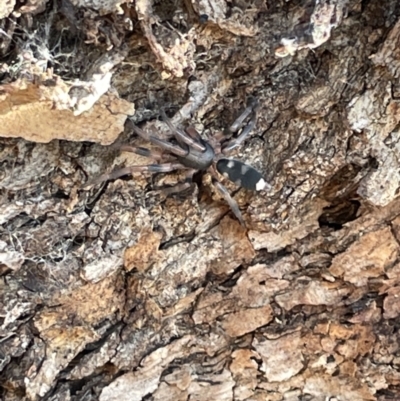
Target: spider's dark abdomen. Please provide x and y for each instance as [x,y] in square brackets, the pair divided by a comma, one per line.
[241,174]
[198,160]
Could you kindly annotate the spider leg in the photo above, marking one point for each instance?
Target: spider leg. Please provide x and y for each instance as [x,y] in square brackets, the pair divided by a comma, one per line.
[235,142]
[150,168]
[181,135]
[140,132]
[176,188]
[181,186]
[175,149]
[251,106]
[191,131]
[230,201]
[170,147]
[141,151]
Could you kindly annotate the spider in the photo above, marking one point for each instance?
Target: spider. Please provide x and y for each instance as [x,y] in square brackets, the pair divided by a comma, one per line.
[192,153]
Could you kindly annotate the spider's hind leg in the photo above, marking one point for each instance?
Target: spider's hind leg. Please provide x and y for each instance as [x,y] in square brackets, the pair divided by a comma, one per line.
[230,201]
[252,107]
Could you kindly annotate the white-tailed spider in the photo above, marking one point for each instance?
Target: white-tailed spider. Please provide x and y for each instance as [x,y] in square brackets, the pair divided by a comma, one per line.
[192,153]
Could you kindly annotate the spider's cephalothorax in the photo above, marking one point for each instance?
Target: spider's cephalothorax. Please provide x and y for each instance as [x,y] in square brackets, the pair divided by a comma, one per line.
[198,160]
[192,153]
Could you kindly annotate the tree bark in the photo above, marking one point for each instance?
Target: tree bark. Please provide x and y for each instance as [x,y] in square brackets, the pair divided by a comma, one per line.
[120,292]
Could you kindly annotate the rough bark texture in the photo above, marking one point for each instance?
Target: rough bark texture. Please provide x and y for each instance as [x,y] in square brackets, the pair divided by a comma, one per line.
[124,293]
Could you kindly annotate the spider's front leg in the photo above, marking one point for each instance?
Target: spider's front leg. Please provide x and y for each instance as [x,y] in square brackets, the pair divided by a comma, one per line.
[157,156]
[182,136]
[175,150]
[150,168]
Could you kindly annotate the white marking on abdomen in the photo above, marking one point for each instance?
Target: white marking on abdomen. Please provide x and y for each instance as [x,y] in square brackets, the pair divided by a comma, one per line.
[261,184]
